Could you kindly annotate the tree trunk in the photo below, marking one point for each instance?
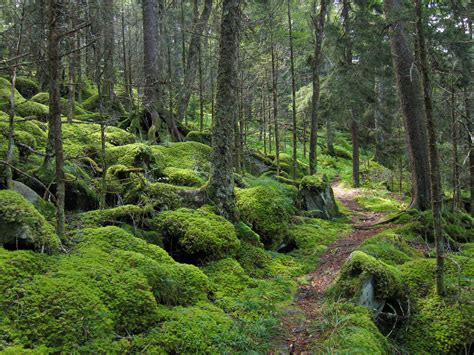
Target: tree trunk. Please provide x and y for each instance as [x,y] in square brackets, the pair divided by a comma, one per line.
[199,24]
[293,93]
[275,98]
[455,139]
[55,110]
[409,90]
[318,32]
[221,184]
[435,176]
[108,54]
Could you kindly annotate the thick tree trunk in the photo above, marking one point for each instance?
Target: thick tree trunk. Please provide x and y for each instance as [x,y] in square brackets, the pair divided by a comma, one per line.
[411,98]
[221,184]
[199,24]
[55,110]
[318,32]
[435,176]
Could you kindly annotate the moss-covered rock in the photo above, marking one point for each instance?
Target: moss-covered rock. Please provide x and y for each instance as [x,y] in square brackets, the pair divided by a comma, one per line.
[317,198]
[159,195]
[351,329]
[59,313]
[359,269]
[203,137]
[23,227]
[196,235]
[131,214]
[183,177]
[267,209]
[43,98]
[26,86]
[439,327]
[138,155]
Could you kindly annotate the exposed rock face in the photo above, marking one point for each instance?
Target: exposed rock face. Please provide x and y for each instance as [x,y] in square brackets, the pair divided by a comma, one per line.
[256,163]
[317,198]
[26,191]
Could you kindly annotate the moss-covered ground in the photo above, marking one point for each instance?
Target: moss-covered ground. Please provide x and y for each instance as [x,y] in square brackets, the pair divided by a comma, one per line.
[152,272]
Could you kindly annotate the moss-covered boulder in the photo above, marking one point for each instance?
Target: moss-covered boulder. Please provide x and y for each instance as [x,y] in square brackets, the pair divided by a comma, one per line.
[60,313]
[43,98]
[196,236]
[267,210]
[26,86]
[257,163]
[183,177]
[203,137]
[130,214]
[23,227]
[138,155]
[317,198]
[368,281]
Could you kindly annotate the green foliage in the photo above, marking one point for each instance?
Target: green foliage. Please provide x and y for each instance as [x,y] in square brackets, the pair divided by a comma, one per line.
[378,201]
[196,235]
[358,268]
[267,209]
[19,216]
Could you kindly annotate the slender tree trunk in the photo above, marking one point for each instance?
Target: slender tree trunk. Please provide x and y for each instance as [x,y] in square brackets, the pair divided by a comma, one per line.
[201,93]
[411,98]
[455,139]
[221,183]
[305,126]
[108,54]
[317,59]
[293,93]
[11,132]
[55,111]
[435,176]
[199,24]
[275,100]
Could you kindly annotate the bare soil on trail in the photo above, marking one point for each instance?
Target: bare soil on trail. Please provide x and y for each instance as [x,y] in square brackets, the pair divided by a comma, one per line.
[309,297]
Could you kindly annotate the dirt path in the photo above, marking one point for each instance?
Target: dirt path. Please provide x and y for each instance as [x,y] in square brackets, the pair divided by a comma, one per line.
[309,296]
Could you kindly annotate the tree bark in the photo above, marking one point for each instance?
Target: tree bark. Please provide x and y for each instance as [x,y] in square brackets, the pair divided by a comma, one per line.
[411,99]
[221,184]
[316,67]
[293,93]
[55,110]
[275,96]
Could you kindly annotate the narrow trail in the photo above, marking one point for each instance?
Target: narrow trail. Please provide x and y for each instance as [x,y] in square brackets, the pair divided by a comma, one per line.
[309,297]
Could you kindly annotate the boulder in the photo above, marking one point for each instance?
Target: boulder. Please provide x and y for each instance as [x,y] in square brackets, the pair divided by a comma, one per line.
[317,198]
[256,163]
[26,191]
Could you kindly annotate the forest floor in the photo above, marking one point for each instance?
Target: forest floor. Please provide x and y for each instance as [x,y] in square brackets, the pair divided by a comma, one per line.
[307,305]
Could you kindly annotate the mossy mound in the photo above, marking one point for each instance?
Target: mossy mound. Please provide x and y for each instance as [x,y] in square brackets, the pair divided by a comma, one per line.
[159,195]
[316,197]
[92,103]
[22,226]
[438,326]
[202,329]
[203,137]
[377,201]
[138,155]
[26,86]
[390,246]
[196,236]
[350,329]
[358,269]
[43,98]
[286,165]
[183,177]
[267,210]
[185,155]
[130,214]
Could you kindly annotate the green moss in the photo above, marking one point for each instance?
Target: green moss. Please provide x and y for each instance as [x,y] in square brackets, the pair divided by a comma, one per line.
[43,98]
[390,246]
[349,329]
[360,267]
[196,235]
[246,234]
[26,86]
[316,182]
[92,104]
[372,201]
[203,137]
[286,165]
[183,177]
[203,329]
[159,195]
[186,155]
[19,217]
[267,210]
[59,313]
[255,261]
[439,327]
[88,89]
[114,216]
[137,155]
[115,136]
